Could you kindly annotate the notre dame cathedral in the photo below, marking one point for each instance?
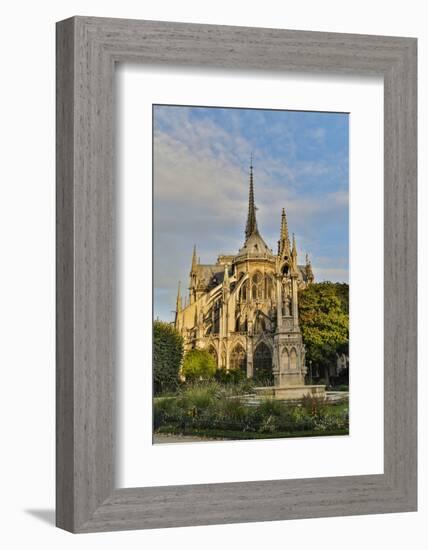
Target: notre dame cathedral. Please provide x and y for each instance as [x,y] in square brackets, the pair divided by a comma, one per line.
[244,308]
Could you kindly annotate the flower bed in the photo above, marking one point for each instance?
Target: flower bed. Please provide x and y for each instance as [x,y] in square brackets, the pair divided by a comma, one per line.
[212,409]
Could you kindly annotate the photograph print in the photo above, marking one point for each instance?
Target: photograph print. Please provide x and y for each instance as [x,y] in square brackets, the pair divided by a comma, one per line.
[250,274]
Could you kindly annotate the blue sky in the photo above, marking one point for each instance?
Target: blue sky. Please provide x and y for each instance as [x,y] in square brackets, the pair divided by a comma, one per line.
[201,164]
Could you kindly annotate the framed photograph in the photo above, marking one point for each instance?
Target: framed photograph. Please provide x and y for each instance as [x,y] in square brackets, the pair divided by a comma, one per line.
[247,324]
[236,274]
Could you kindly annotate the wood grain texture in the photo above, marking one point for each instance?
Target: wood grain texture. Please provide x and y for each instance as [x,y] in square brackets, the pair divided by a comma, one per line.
[87,49]
[64,276]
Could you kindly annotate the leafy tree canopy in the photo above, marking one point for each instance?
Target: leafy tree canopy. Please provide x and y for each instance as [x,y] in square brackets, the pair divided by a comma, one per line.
[167,357]
[199,364]
[324,321]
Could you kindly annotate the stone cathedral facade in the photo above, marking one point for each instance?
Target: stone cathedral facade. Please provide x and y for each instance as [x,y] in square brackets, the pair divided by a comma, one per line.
[244,308]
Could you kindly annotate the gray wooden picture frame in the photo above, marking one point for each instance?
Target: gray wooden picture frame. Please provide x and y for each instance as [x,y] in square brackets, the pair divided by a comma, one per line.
[87,50]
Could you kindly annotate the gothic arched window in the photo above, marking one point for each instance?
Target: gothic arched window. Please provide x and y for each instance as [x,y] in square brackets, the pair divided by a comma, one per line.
[238,358]
[257,286]
[215,318]
[263,364]
[244,291]
[241,323]
[268,287]
[237,323]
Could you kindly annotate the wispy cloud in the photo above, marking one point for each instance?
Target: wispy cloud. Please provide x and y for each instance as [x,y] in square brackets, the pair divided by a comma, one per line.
[317,134]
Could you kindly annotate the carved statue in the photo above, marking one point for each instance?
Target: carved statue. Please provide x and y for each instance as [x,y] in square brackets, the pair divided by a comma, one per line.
[286,306]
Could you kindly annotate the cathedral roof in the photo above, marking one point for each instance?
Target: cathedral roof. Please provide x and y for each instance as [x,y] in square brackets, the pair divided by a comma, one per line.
[255,246]
[210,275]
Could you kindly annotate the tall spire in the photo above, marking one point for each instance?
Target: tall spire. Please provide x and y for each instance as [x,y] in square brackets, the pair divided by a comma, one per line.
[193,277]
[194,259]
[284,239]
[251,226]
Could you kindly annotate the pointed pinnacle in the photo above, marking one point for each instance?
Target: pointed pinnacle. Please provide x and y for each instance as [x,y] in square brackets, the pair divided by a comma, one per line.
[251,219]
[284,240]
[194,259]
[179,302]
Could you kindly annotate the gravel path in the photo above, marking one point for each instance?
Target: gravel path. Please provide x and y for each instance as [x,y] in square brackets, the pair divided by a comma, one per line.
[169,438]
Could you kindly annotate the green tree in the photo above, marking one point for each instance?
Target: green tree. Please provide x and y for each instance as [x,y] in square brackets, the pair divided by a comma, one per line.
[199,364]
[324,321]
[167,357]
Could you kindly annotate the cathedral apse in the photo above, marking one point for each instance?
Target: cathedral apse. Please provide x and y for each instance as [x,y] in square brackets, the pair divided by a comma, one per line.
[244,307]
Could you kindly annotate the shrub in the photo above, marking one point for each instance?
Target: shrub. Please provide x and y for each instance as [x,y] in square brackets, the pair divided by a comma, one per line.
[263,379]
[271,407]
[313,406]
[198,395]
[233,376]
[232,408]
[246,386]
[167,357]
[198,365]
[235,380]
[165,410]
